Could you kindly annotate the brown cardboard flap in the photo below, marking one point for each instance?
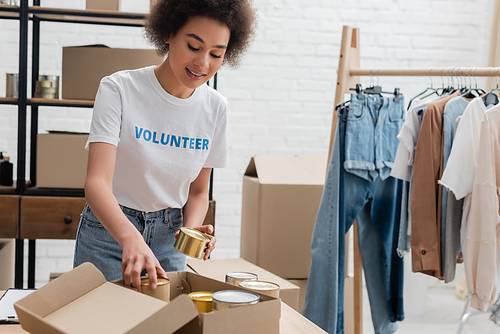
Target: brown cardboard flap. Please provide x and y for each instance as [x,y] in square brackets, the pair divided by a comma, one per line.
[81,302]
[69,287]
[106,309]
[179,312]
[289,169]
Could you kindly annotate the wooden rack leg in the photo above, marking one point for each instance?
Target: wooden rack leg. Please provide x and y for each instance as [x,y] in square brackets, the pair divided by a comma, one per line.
[349,59]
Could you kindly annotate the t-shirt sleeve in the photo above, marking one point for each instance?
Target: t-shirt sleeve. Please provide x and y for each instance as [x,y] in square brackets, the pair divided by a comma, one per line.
[107,114]
[217,157]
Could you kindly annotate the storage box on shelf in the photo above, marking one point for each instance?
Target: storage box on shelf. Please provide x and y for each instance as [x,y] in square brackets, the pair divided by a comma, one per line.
[281,196]
[85,66]
[61,160]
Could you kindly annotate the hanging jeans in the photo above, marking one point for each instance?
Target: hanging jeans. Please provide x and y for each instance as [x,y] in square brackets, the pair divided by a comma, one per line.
[376,207]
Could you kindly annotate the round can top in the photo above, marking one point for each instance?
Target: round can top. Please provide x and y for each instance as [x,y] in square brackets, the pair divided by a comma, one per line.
[236,297]
[159,281]
[241,275]
[259,285]
[195,234]
[202,296]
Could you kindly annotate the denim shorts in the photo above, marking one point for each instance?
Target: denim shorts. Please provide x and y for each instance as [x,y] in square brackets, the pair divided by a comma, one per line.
[373,123]
[96,245]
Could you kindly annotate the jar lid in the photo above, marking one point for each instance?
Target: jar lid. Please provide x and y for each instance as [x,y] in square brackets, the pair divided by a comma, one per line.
[195,234]
[202,296]
[242,275]
[259,285]
[159,281]
[236,297]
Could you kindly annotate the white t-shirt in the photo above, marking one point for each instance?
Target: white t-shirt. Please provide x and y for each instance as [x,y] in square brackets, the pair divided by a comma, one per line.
[162,141]
[403,162]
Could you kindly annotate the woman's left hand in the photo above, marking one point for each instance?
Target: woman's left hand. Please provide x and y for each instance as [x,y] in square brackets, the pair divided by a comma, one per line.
[205,229]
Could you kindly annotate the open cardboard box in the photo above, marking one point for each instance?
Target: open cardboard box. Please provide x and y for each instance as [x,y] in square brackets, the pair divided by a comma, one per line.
[262,318]
[82,301]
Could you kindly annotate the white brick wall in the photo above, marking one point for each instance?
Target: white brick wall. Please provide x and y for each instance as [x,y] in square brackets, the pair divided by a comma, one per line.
[281,98]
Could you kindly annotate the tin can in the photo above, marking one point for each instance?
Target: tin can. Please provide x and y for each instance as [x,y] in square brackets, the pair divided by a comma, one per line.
[224,299]
[47,87]
[237,277]
[162,290]
[264,287]
[192,242]
[12,87]
[202,300]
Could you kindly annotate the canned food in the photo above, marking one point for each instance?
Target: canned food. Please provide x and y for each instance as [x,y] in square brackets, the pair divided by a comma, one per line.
[191,242]
[237,277]
[12,87]
[222,300]
[266,288]
[202,300]
[47,87]
[162,290]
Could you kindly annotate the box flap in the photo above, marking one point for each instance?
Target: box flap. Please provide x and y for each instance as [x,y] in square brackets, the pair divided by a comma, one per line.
[67,288]
[97,306]
[170,318]
[289,169]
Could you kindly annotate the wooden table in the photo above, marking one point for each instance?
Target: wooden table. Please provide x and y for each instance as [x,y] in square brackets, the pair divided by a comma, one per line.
[291,322]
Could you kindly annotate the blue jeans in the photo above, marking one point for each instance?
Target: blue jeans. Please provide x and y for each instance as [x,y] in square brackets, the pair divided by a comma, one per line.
[376,207]
[94,243]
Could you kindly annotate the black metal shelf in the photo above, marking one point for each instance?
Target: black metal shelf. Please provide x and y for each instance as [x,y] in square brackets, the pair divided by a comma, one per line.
[26,185]
[9,8]
[61,103]
[9,100]
[56,192]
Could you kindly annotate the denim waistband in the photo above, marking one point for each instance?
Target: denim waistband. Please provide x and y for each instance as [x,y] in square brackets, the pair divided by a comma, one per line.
[143,214]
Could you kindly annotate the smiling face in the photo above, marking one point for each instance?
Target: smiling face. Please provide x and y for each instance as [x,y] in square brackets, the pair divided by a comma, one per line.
[195,54]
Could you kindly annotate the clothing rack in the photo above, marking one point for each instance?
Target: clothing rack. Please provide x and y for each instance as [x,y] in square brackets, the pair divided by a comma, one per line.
[348,75]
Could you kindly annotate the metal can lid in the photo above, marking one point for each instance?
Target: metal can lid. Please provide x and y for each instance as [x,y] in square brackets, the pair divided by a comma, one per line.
[242,275]
[236,297]
[259,285]
[195,234]
[202,296]
[159,281]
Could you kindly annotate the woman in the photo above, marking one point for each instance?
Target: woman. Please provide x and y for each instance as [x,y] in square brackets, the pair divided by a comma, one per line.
[155,136]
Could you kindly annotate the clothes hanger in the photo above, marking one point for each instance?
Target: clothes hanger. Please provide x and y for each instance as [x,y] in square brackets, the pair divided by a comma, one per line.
[472,93]
[491,97]
[428,89]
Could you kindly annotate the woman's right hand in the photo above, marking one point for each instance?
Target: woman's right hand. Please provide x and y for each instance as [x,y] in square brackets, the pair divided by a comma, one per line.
[136,256]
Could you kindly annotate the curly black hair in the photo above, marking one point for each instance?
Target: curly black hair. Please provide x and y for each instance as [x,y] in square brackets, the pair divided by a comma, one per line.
[167,17]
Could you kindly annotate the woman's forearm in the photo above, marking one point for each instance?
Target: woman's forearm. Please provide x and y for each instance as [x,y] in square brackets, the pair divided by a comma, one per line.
[103,203]
[195,209]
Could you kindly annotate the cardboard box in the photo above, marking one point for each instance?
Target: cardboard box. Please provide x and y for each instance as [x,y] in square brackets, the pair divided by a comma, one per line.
[302,285]
[81,301]
[61,160]
[85,66]
[217,269]
[262,318]
[103,4]
[281,196]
